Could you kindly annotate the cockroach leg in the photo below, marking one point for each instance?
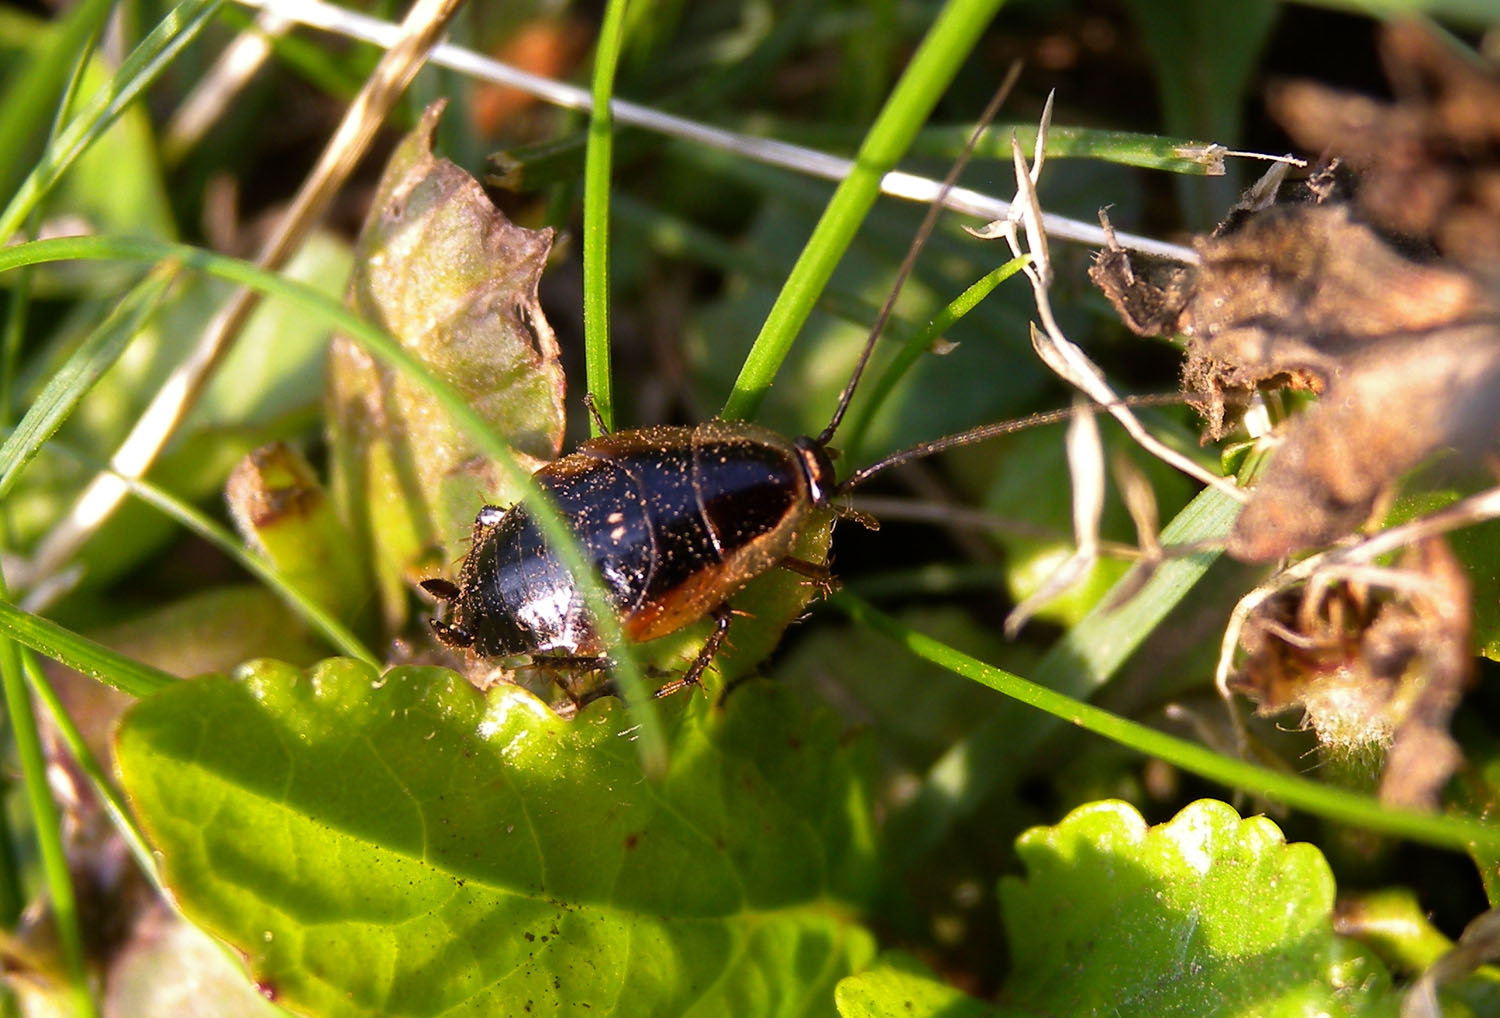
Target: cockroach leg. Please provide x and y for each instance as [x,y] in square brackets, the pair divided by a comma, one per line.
[722,616]
[563,668]
[844,511]
[820,575]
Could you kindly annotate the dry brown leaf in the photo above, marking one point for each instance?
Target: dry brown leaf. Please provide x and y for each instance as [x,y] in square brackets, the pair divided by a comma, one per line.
[1428,162]
[441,269]
[1384,670]
[1402,341]
[1406,356]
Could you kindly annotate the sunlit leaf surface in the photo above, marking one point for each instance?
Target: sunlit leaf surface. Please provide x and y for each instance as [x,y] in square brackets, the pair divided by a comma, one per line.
[403,845]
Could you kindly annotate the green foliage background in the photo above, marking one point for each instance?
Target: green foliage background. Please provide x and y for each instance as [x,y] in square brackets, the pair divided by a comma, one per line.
[885,817]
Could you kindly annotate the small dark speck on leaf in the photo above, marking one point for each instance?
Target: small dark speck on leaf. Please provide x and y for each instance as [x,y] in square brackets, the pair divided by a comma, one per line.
[529,936]
[631,840]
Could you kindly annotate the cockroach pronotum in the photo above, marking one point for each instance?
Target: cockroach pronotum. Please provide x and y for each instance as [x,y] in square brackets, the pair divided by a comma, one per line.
[675,521]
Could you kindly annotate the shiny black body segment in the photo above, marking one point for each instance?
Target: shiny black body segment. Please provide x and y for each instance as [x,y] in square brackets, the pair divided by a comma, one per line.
[674,519]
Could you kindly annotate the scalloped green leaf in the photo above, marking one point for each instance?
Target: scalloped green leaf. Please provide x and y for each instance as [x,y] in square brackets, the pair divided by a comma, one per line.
[899,986]
[1206,915]
[405,845]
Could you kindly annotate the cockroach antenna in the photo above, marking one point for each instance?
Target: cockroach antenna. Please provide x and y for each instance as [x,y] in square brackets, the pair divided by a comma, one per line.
[917,243]
[995,430]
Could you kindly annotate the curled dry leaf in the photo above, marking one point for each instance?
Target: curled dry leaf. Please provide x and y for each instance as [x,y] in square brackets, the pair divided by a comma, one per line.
[455,282]
[1428,162]
[1383,669]
[1402,344]
[1406,356]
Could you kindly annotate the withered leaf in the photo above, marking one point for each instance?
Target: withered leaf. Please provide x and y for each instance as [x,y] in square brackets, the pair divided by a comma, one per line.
[1382,669]
[449,276]
[1406,356]
[1428,162]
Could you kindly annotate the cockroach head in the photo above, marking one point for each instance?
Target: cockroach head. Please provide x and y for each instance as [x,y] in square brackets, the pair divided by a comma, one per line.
[817,468]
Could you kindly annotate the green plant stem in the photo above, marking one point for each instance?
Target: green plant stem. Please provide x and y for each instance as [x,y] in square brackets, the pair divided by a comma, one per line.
[76,40]
[918,344]
[650,740]
[114,802]
[48,825]
[80,653]
[925,79]
[339,636]
[597,163]
[1331,803]
[335,632]
[1076,666]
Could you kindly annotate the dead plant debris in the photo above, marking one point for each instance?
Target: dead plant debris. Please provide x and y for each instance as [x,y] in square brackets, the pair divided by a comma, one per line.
[1392,317]
[1375,284]
[1372,669]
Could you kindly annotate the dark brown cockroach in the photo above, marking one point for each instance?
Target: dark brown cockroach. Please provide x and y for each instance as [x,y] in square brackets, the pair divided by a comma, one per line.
[674,520]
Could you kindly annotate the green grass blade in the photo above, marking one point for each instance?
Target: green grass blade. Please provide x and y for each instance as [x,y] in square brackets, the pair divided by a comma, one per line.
[649,739]
[1458,834]
[926,77]
[1080,662]
[32,91]
[140,68]
[598,161]
[335,632]
[48,822]
[80,653]
[945,141]
[114,802]
[84,367]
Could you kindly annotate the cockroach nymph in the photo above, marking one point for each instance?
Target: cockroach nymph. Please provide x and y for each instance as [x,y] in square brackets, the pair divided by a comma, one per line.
[674,520]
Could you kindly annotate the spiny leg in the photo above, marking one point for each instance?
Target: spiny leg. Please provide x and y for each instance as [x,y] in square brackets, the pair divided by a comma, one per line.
[722,617]
[821,576]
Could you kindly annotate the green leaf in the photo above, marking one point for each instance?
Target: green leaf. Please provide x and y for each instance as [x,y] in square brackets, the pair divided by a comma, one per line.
[899,985]
[1207,915]
[405,845]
